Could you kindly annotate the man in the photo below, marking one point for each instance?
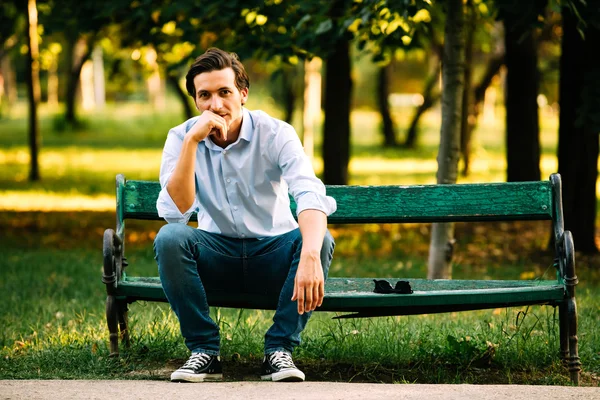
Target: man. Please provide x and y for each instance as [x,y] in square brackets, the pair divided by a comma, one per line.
[234,167]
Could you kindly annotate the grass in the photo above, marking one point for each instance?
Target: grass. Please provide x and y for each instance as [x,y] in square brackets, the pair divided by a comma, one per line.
[78,167]
[53,300]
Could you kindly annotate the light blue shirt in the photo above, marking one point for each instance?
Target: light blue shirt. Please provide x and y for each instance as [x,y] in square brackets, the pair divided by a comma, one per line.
[242,190]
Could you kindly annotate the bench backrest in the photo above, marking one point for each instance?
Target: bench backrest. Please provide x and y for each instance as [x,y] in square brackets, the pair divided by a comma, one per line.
[382,204]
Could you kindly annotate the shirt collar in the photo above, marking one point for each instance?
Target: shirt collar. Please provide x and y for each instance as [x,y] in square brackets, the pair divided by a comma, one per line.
[247,129]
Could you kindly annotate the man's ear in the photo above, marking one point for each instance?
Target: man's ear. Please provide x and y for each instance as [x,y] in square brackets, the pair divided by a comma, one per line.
[244,95]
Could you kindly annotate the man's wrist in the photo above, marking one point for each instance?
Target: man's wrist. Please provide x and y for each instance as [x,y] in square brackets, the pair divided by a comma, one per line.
[310,253]
[191,139]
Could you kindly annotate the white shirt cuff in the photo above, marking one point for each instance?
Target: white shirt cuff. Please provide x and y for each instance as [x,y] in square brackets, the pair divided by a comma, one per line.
[315,201]
[168,210]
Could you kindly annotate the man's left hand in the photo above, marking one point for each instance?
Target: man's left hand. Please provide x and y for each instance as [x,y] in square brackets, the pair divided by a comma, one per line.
[309,285]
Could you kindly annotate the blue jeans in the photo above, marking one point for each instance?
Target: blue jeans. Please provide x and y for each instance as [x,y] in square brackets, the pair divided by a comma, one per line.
[190,260]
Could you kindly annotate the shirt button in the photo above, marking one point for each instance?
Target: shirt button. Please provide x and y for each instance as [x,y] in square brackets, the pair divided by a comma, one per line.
[228,180]
[235,208]
[242,235]
[224,152]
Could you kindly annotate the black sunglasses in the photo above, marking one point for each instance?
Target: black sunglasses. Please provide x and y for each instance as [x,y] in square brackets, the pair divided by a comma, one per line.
[384,287]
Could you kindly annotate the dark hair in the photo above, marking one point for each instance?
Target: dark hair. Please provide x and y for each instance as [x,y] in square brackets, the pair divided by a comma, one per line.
[215,59]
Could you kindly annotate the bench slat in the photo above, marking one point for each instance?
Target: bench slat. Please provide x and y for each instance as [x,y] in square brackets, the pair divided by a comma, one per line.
[383,204]
[356,295]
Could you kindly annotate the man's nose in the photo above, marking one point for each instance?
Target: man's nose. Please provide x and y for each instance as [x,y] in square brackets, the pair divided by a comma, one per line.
[216,103]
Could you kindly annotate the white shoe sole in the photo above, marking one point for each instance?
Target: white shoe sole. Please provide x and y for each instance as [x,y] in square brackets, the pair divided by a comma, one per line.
[286,375]
[187,377]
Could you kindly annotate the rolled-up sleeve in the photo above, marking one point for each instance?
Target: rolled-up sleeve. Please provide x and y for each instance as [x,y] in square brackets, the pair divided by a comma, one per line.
[307,190]
[165,205]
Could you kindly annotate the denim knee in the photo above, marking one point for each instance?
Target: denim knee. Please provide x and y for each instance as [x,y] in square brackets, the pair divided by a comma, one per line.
[170,235]
[327,251]
[170,238]
[328,242]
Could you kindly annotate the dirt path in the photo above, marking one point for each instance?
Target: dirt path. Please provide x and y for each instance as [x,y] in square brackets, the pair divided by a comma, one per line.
[126,390]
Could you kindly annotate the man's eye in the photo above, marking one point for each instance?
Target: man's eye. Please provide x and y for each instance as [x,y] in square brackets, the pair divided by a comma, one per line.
[225,92]
[203,95]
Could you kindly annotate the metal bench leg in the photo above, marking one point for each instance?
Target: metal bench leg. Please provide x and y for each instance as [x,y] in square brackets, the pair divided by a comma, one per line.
[564,332]
[122,314]
[574,362]
[112,319]
[571,306]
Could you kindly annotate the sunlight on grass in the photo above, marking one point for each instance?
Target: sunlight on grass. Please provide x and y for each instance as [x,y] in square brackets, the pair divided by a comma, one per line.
[61,161]
[78,168]
[71,172]
[42,201]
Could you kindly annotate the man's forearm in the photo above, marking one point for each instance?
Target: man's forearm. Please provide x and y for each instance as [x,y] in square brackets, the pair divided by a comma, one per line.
[181,186]
[313,225]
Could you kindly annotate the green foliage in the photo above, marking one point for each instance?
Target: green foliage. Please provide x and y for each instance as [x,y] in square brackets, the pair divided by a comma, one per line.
[74,17]
[11,22]
[265,30]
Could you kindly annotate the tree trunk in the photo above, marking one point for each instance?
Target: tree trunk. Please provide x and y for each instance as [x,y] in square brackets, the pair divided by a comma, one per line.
[188,111]
[336,131]
[479,92]
[156,88]
[522,82]
[86,85]
[33,88]
[467,107]
[9,84]
[430,97]
[288,79]
[442,234]
[383,92]
[577,135]
[99,83]
[53,83]
[312,103]
[76,55]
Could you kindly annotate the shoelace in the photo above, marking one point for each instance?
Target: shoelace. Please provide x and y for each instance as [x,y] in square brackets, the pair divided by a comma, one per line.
[281,360]
[197,361]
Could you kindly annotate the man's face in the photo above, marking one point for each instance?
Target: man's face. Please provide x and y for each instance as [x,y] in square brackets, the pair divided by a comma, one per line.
[216,92]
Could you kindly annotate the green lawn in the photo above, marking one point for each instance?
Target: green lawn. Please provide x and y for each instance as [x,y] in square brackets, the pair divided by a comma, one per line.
[52,298]
[78,167]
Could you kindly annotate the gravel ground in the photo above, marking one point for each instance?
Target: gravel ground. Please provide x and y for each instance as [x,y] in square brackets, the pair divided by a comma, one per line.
[125,390]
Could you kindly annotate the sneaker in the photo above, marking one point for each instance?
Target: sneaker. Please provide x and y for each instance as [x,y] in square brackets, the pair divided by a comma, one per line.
[279,367]
[199,367]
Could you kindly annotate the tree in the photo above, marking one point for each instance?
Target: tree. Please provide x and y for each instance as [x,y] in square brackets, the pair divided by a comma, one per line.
[288,31]
[33,87]
[383,92]
[442,234]
[383,28]
[467,100]
[522,89]
[336,131]
[81,23]
[579,123]
[9,26]
[11,22]
[430,96]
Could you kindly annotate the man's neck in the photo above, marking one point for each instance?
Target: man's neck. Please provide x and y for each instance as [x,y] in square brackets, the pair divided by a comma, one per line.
[231,138]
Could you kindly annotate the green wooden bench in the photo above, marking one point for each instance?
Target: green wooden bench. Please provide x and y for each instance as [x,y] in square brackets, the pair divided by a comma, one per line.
[355,296]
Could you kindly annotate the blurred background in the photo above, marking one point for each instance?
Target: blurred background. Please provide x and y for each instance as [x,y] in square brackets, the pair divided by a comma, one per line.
[380,93]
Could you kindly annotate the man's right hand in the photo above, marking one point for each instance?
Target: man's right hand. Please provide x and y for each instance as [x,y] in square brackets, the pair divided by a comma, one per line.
[208,124]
